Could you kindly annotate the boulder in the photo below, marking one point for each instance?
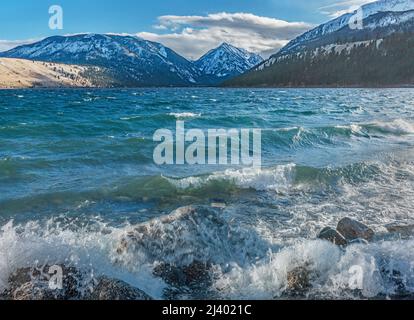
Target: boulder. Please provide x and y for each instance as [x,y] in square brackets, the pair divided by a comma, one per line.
[34,284]
[192,233]
[116,290]
[193,275]
[405,230]
[298,280]
[352,230]
[333,236]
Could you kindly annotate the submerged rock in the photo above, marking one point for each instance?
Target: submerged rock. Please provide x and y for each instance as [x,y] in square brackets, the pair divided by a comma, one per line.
[352,230]
[188,234]
[112,289]
[405,230]
[298,280]
[193,275]
[333,236]
[35,284]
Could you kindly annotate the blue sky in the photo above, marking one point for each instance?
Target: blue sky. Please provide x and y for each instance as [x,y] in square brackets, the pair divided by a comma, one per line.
[177,24]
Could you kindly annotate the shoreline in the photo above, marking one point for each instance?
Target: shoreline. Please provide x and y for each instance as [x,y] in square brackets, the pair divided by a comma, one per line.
[411,86]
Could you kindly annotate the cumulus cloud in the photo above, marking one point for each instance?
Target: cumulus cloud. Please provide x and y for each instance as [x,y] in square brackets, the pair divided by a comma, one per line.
[10,44]
[338,9]
[193,36]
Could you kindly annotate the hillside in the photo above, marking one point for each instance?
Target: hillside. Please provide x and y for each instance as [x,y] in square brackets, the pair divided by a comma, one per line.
[333,54]
[19,73]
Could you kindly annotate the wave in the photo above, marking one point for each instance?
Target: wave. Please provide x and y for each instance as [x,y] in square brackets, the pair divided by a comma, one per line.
[276,178]
[332,135]
[243,264]
[183,115]
[397,127]
[90,249]
[280,179]
[383,266]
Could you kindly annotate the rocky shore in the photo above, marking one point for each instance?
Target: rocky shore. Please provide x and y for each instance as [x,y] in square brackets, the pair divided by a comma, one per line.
[182,226]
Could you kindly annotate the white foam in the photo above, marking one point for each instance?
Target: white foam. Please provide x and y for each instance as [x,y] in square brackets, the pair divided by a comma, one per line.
[331,270]
[93,251]
[397,126]
[278,178]
[182,115]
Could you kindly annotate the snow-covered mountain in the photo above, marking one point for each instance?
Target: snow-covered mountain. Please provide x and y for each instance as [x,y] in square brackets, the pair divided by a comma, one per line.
[128,60]
[376,51]
[227,61]
[365,11]
[132,61]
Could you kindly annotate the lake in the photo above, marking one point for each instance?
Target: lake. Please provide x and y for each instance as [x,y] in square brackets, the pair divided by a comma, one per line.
[77,171]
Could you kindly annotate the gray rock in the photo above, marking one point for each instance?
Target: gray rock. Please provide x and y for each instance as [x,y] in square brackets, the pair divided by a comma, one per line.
[194,275]
[116,290]
[193,233]
[298,280]
[333,236]
[33,284]
[405,230]
[352,229]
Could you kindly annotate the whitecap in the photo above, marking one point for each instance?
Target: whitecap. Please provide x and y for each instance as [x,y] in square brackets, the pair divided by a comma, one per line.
[278,178]
[182,115]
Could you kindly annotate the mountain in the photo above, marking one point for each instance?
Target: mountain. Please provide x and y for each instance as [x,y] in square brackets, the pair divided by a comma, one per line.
[127,60]
[338,54]
[132,61]
[227,61]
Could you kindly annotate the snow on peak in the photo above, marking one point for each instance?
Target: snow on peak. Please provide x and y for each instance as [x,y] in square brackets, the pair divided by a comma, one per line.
[366,11]
[227,60]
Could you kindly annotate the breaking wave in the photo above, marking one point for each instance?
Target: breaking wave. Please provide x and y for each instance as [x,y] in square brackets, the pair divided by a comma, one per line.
[242,263]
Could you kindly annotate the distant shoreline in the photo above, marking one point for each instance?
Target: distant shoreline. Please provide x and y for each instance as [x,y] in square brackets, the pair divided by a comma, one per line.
[407,86]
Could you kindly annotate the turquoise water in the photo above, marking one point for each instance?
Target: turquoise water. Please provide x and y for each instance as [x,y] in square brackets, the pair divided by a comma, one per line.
[76,168]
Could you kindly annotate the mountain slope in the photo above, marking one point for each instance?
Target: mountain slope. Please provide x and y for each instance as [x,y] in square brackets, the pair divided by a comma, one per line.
[128,60]
[227,61]
[131,61]
[334,54]
[343,22]
[18,73]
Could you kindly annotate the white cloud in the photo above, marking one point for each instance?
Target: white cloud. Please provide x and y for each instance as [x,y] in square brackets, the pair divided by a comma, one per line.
[192,36]
[338,9]
[10,44]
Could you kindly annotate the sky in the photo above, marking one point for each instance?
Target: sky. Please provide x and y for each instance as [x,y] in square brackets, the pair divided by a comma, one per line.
[190,27]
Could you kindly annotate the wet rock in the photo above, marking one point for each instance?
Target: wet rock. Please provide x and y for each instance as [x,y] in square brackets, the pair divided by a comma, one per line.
[404,230]
[112,289]
[35,284]
[333,236]
[359,241]
[193,275]
[298,280]
[193,233]
[352,229]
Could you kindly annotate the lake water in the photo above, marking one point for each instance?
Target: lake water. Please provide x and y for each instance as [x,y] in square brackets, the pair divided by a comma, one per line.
[77,170]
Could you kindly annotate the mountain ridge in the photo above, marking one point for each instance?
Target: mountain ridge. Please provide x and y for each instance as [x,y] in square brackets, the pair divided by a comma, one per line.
[375,55]
[132,61]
